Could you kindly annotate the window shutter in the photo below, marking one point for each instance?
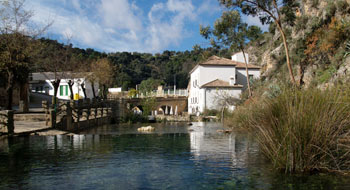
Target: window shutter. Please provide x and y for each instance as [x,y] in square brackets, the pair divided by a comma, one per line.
[61,90]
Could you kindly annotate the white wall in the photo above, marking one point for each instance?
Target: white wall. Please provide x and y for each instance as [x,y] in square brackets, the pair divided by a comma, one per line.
[242,76]
[239,57]
[210,73]
[49,89]
[202,75]
[193,97]
[214,96]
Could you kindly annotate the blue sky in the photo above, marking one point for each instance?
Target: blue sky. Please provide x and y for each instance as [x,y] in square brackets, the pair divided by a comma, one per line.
[128,25]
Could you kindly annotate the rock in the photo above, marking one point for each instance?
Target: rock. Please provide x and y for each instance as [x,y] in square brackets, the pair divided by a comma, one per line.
[146,129]
[227,131]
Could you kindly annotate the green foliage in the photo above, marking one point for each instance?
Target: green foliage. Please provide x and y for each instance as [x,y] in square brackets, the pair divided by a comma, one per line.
[301,130]
[272,28]
[314,3]
[133,93]
[209,112]
[148,105]
[301,22]
[330,10]
[324,76]
[149,85]
[130,117]
[231,32]
[315,23]
[342,6]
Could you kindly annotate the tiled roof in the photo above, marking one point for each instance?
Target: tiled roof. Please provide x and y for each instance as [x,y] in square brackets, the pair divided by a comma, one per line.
[220,83]
[240,65]
[215,60]
[58,75]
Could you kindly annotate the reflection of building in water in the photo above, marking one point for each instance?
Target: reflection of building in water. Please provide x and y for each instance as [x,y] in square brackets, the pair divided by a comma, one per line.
[209,145]
[74,141]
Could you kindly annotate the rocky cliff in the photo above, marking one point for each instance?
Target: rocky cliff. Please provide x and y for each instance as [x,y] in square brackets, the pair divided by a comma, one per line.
[317,42]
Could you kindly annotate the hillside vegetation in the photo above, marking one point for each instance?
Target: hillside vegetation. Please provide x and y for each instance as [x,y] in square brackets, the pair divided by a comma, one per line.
[319,44]
[303,127]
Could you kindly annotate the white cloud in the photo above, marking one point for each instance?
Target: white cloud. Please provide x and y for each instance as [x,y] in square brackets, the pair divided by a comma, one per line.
[163,31]
[119,14]
[120,25]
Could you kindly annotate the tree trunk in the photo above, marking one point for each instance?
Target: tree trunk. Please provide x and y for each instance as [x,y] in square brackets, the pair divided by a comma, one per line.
[70,84]
[222,114]
[93,89]
[104,92]
[9,90]
[84,90]
[246,69]
[55,84]
[287,52]
[23,95]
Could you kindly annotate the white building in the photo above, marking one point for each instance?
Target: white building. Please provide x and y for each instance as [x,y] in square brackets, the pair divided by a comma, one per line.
[217,82]
[41,83]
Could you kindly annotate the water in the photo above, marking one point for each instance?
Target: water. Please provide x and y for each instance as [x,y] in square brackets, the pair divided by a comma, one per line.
[174,156]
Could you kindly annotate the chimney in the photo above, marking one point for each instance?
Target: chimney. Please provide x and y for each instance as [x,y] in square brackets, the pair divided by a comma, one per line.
[232,81]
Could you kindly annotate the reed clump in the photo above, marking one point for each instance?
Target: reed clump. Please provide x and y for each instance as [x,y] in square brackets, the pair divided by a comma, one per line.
[301,130]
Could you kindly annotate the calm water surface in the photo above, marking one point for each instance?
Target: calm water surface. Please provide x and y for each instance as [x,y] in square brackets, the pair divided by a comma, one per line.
[174,156]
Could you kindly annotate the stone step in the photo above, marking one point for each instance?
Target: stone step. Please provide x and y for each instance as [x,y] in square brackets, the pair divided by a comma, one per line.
[29,117]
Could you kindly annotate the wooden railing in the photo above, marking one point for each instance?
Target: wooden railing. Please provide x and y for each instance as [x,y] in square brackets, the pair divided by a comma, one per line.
[6,122]
[74,114]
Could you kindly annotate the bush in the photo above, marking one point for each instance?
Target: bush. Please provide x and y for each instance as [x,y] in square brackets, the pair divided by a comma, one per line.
[314,3]
[330,10]
[301,23]
[211,112]
[342,6]
[327,74]
[301,130]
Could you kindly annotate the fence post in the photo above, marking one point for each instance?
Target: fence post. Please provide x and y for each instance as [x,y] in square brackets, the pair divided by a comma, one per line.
[10,122]
[69,119]
[46,108]
[53,118]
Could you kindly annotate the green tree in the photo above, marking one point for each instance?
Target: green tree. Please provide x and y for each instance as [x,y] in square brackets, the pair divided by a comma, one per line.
[103,72]
[269,11]
[149,85]
[229,30]
[17,43]
[148,105]
[55,61]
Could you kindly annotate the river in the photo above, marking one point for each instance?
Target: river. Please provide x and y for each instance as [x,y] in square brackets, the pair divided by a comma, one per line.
[174,156]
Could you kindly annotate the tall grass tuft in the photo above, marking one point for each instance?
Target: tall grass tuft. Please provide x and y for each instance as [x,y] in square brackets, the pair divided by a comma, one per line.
[302,130]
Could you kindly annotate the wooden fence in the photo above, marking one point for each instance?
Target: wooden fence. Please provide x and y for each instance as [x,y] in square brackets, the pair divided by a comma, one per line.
[6,122]
[77,115]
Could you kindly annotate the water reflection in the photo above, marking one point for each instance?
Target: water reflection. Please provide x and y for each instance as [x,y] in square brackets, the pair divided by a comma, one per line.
[174,156]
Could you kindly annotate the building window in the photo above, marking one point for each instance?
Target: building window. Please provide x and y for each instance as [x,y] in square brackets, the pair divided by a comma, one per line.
[64,90]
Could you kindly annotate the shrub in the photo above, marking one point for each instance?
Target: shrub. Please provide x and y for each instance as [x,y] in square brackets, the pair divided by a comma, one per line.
[301,23]
[314,3]
[211,112]
[302,130]
[327,74]
[330,10]
[342,6]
